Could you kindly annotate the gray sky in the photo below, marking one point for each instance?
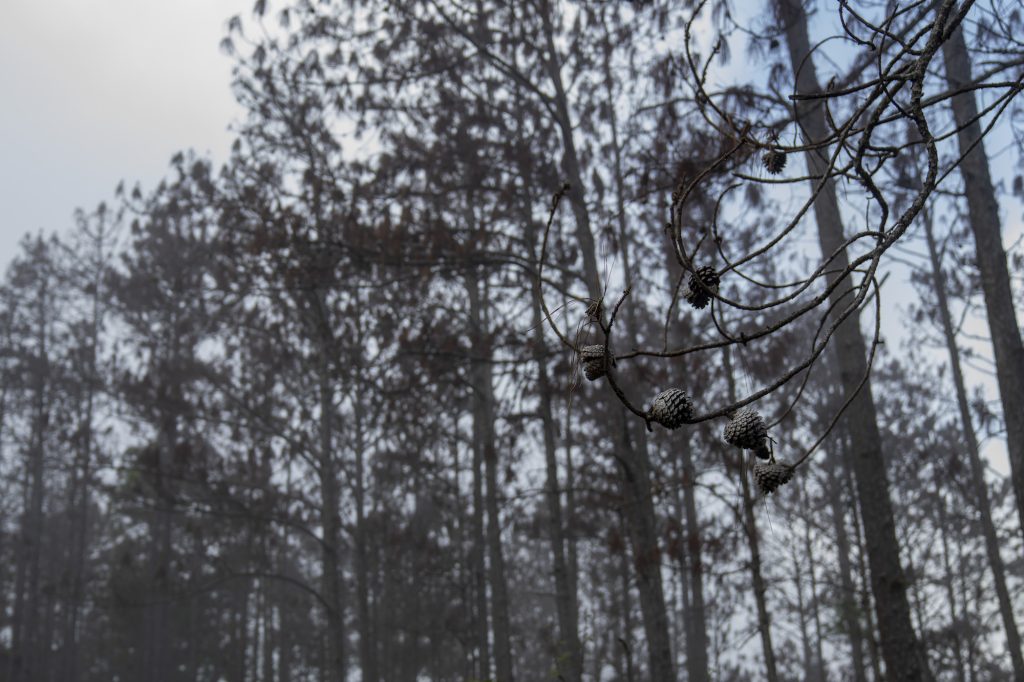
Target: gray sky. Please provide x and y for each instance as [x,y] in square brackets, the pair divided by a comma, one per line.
[99,91]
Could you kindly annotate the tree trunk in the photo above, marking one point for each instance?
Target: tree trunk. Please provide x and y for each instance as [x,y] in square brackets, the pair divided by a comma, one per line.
[158,617]
[633,457]
[801,611]
[28,652]
[330,497]
[756,573]
[817,673]
[738,462]
[947,578]
[864,579]
[904,656]
[80,496]
[483,432]
[695,616]
[367,637]
[624,641]
[848,606]
[983,212]
[477,561]
[978,485]
[569,649]
[694,612]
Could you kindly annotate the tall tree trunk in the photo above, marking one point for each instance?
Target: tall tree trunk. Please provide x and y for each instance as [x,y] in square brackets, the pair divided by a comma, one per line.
[697,651]
[848,606]
[904,656]
[818,669]
[695,612]
[28,652]
[477,561]
[484,439]
[80,497]
[330,499]
[863,577]
[756,572]
[639,512]
[968,580]
[318,323]
[801,611]
[268,639]
[978,485]
[367,637]
[158,641]
[572,556]
[631,439]
[737,457]
[947,578]
[565,604]
[983,212]
[624,641]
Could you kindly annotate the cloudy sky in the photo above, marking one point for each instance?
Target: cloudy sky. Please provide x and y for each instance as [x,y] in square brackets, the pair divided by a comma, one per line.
[99,91]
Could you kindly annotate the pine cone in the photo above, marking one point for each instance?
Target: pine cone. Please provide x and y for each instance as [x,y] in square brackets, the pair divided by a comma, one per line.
[774,161]
[770,475]
[671,408]
[746,430]
[593,360]
[696,294]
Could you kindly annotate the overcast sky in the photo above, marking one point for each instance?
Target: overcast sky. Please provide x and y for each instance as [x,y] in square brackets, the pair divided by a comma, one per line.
[99,91]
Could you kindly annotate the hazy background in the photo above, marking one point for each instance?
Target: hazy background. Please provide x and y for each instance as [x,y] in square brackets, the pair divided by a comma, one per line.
[100,91]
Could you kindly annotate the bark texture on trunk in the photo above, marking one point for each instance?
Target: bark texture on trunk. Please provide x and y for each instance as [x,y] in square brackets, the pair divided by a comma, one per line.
[903,654]
[983,212]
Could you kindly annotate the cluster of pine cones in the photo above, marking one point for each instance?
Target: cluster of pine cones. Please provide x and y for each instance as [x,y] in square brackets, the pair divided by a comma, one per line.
[746,429]
[673,408]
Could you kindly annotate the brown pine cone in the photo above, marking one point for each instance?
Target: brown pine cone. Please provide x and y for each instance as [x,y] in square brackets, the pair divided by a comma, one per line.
[593,361]
[770,475]
[672,408]
[746,429]
[696,295]
[774,161]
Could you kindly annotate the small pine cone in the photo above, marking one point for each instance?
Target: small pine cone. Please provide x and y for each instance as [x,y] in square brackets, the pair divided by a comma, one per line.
[696,294]
[593,360]
[746,430]
[672,408]
[774,161]
[770,475]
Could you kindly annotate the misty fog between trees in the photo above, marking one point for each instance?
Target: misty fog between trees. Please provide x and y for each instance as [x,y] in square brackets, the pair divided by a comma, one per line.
[540,340]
